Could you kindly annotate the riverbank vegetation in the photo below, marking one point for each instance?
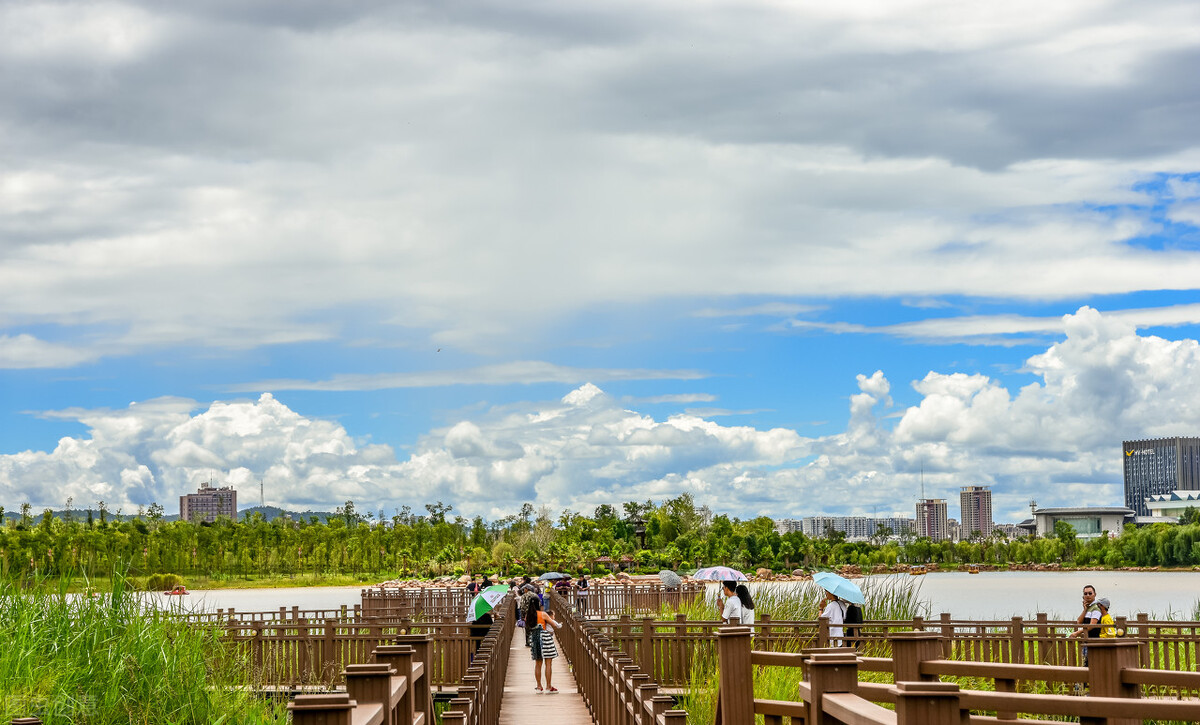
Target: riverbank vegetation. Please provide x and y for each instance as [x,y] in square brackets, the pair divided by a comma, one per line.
[890,598]
[351,547]
[104,659]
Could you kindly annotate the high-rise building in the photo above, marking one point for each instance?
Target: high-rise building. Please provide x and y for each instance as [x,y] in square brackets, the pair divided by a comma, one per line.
[976,505]
[208,503]
[1157,466]
[856,528]
[931,519]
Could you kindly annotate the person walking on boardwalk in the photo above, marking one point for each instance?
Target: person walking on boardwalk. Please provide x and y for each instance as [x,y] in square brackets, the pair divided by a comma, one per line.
[835,612]
[581,594]
[528,597]
[540,626]
[1089,620]
[738,604]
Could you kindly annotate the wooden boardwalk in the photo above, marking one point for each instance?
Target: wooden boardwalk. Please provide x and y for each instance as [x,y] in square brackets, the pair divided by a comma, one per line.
[522,706]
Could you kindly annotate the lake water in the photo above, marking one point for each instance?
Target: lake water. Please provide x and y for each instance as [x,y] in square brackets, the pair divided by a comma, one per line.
[988,595]
[1001,595]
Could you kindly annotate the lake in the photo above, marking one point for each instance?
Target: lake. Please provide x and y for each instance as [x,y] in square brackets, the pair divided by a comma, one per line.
[988,595]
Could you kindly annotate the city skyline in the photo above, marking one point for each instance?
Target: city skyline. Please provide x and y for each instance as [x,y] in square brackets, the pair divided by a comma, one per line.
[789,259]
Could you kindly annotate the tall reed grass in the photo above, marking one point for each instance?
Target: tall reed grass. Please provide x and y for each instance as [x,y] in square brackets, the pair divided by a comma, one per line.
[888,598]
[108,659]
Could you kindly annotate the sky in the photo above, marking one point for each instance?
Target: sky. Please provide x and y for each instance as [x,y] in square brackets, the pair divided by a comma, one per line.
[791,258]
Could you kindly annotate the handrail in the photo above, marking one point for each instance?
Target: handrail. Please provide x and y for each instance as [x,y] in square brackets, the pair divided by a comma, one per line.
[481,691]
[832,692]
[615,689]
[663,647]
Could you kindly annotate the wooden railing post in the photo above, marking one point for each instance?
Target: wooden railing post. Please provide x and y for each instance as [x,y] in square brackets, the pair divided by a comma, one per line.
[422,645]
[461,704]
[1016,641]
[647,654]
[735,691]
[1106,660]
[371,684]
[1143,639]
[822,632]
[328,709]
[328,651]
[827,673]
[909,650]
[400,658]
[947,636]
[927,703]
[1043,639]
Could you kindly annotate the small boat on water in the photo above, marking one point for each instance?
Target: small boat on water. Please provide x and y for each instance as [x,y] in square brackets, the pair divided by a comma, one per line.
[916,570]
[177,591]
[973,569]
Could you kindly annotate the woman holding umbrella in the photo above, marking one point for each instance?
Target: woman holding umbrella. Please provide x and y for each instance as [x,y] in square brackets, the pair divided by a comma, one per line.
[840,592]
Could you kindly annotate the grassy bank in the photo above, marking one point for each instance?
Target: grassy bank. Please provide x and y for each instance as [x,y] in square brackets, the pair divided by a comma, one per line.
[199,583]
[107,660]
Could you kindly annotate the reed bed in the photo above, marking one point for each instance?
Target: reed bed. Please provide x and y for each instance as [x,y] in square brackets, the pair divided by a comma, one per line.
[107,659]
[888,598]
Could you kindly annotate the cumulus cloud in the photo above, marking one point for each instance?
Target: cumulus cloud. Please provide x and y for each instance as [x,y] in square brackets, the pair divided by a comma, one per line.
[1056,439]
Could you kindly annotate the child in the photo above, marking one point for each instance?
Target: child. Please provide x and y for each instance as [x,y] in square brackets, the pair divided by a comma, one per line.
[1106,621]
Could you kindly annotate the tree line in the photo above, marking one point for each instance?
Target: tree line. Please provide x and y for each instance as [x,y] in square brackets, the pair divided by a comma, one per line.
[674,534]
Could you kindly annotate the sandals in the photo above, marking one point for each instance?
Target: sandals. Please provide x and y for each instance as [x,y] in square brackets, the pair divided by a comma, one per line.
[552,691]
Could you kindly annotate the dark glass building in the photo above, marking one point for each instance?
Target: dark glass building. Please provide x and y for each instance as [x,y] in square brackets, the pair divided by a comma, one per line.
[1161,465]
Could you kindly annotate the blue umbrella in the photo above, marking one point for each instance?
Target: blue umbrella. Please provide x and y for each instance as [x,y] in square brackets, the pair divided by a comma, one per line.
[840,587]
[719,574]
[553,576]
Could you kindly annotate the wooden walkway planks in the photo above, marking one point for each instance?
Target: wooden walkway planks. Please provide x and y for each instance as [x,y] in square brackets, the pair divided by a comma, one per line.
[522,706]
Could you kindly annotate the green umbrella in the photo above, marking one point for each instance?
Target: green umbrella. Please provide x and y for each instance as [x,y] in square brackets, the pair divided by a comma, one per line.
[486,601]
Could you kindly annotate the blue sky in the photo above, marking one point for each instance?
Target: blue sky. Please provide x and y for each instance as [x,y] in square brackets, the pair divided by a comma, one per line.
[782,257]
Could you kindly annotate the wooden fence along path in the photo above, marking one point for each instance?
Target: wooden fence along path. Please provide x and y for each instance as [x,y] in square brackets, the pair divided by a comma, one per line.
[832,692]
[392,690]
[479,695]
[667,648]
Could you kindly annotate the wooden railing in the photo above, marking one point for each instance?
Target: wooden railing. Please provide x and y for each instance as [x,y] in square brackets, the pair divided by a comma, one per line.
[482,689]
[615,689]
[612,600]
[392,690]
[666,649]
[315,653]
[832,693]
[425,604]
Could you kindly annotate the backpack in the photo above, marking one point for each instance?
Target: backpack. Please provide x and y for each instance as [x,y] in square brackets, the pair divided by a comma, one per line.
[852,615]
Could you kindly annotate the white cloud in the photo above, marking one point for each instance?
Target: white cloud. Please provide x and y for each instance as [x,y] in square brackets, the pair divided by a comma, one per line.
[999,329]
[523,372]
[1050,440]
[27,351]
[477,175]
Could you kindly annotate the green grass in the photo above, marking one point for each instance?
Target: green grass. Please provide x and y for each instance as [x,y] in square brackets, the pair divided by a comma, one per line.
[272,581]
[889,598]
[107,660]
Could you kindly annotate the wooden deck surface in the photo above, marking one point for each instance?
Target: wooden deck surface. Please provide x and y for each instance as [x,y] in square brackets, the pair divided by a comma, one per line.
[522,706]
